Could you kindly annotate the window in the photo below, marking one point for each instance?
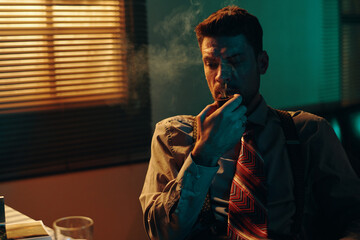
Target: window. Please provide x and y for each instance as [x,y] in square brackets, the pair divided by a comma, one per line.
[61,53]
[70,98]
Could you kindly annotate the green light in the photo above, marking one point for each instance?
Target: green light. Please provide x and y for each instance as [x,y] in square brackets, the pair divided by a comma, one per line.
[355,122]
[336,126]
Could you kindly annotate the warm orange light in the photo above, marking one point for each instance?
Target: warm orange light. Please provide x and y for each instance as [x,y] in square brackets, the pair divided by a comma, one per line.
[61,51]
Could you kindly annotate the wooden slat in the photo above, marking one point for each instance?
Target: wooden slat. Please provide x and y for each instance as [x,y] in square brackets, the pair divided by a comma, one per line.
[62,30]
[45,99]
[58,45]
[52,67]
[25,10]
[59,31]
[11,76]
[120,37]
[57,14]
[19,87]
[59,57]
[23,21]
[113,48]
[72,78]
[13,64]
[74,3]
[6,97]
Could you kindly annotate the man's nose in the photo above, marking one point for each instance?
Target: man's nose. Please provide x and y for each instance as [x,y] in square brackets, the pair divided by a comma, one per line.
[223,73]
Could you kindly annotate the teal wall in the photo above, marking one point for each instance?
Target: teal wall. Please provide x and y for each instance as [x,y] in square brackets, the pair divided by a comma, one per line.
[297,38]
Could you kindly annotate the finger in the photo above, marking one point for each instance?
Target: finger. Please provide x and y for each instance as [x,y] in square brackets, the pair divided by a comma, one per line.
[243,120]
[240,111]
[233,103]
[200,118]
[207,111]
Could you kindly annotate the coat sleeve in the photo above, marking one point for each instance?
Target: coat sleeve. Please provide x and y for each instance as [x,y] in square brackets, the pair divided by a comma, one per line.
[175,187]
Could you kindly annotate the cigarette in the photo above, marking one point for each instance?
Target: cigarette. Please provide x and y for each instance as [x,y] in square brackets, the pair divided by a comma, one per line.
[223,93]
[223,97]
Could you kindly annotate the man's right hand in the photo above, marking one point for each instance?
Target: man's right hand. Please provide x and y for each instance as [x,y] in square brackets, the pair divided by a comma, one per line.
[219,130]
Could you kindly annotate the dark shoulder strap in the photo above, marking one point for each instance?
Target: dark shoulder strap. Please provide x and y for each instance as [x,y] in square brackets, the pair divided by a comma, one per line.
[297,164]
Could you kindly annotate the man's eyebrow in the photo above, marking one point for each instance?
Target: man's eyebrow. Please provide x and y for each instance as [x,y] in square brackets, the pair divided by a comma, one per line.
[235,55]
[209,58]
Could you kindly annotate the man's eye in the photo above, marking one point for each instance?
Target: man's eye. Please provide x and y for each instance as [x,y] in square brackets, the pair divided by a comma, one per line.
[211,64]
[236,60]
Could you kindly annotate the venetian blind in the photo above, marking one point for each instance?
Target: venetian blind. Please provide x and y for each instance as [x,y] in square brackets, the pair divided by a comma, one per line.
[350,39]
[72,93]
[330,73]
[61,53]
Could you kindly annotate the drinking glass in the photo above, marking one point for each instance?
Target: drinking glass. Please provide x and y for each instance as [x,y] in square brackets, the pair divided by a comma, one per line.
[74,228]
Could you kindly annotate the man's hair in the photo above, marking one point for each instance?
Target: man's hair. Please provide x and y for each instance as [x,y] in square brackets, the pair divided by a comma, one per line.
[232,21]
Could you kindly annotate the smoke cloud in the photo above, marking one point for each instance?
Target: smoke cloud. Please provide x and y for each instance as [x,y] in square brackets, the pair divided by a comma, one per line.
[178,84]
[179,49]
[230,2]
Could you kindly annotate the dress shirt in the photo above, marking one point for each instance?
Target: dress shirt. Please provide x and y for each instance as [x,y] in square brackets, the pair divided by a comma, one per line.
[175,186]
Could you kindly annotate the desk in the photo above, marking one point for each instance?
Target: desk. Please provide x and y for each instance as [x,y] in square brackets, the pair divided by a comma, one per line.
[13,216]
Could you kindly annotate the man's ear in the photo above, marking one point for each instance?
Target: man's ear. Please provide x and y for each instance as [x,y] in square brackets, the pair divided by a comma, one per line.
[263,62]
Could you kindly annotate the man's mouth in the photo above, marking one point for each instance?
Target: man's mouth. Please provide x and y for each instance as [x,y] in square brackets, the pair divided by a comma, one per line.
[226,93]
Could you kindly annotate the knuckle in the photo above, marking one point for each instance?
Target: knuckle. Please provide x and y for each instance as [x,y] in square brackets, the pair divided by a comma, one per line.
[240,98]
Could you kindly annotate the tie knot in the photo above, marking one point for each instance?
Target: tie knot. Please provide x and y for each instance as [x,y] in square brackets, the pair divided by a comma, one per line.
[249,132]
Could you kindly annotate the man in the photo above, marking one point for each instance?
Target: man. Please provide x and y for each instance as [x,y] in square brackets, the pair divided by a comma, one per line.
[198,172]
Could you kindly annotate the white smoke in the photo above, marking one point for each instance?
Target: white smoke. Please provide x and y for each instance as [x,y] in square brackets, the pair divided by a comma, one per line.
[179,50]
[230,2]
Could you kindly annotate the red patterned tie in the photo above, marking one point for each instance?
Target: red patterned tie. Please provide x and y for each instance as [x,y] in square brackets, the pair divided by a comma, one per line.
[247,203]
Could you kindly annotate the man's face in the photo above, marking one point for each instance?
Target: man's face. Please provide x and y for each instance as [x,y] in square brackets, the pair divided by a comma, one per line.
[231,60]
